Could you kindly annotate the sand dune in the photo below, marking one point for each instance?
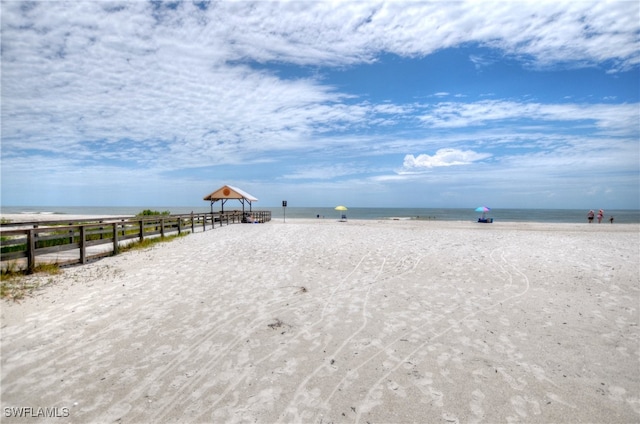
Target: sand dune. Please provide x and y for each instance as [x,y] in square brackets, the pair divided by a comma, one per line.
[318,321]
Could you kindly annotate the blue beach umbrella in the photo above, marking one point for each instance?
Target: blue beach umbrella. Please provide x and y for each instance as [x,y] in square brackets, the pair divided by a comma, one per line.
[483,209]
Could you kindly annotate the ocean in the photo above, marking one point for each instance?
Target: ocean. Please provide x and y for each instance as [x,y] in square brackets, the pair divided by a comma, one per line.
[444,214]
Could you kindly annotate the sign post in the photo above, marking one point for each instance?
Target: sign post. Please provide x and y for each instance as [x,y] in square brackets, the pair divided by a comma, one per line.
[284,214]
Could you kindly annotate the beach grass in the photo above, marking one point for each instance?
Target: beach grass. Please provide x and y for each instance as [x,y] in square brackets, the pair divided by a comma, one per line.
[148,242]
[12,284]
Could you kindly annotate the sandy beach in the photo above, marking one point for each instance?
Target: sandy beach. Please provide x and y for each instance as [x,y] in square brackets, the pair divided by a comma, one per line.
[319,321]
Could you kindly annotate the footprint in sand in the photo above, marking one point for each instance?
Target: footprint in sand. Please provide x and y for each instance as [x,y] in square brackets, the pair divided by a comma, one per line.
[450,418]
[479,376]
[396,389]
[520,406]
[443,358]
[505,321]
[524,405]
[436,397]
[617,393]
[116,412]
[518,384]
[558,399]
[477,398]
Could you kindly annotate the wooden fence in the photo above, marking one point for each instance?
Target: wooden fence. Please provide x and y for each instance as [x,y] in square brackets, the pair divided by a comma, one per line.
[56,241]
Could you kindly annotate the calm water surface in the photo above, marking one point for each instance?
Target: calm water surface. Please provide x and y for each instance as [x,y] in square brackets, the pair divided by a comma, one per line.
[507,215]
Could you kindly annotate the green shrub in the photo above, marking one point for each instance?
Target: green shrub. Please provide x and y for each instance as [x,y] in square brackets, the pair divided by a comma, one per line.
[149,212]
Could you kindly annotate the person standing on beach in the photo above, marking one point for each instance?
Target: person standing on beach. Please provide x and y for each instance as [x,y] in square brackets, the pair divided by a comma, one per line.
[600,216]
[611,219]
[590,216]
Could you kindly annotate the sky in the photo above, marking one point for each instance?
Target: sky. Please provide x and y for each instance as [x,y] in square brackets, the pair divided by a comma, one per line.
[367,104]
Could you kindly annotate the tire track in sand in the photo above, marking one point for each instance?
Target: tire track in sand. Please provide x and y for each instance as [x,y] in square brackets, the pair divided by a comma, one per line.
[291,407]
[368,404]
[162,412]
[163,377]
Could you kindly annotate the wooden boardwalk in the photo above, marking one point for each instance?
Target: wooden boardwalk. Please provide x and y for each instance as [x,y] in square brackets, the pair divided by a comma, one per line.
[27,244]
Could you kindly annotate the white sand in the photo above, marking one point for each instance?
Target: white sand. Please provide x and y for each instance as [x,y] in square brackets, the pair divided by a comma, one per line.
[317,321]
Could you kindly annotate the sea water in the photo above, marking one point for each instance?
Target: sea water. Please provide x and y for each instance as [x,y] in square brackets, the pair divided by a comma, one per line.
[444,214]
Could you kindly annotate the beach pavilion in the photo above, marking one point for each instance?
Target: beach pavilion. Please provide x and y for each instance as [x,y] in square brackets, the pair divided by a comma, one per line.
[227,192]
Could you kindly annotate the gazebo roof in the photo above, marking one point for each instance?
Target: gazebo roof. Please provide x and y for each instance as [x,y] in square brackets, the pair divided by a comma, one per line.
[230,192]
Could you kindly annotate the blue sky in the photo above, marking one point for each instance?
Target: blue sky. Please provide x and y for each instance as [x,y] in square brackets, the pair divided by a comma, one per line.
[368,104]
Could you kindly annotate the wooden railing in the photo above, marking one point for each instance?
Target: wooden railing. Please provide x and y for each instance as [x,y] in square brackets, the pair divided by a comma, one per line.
[56,241]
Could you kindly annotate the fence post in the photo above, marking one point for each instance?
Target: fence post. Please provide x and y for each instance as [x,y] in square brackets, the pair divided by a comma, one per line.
[179,225]
[115,238]
[83,246]
[162,227]
[193,229]
[31,251]
[141,230]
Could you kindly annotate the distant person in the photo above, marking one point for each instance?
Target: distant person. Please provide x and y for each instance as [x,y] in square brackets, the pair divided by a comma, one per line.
[600,216]
[590,216]
[611,219]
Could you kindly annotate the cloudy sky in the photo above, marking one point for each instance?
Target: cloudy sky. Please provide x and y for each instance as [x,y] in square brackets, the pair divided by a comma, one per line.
[370,104]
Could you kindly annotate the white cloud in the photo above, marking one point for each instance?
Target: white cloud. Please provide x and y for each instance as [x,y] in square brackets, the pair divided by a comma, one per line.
[481,61]
[324,171]
[609,118]
[443,157]
[169,86]
[90,71]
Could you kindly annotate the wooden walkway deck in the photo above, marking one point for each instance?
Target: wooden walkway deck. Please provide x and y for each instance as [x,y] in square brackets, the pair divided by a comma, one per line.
[27,244]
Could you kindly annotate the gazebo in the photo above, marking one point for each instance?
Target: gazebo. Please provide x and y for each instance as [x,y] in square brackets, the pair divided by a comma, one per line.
[227,192]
